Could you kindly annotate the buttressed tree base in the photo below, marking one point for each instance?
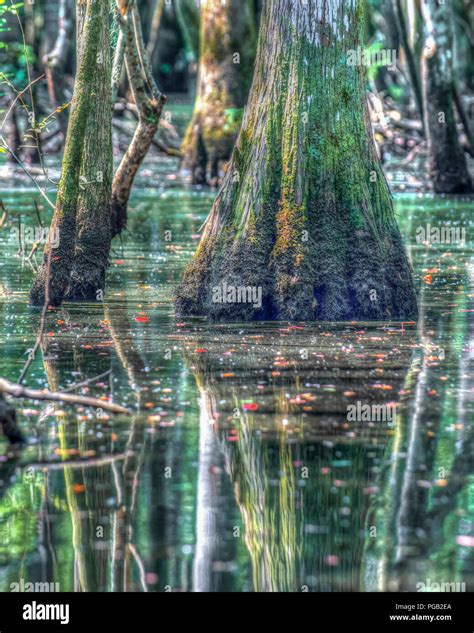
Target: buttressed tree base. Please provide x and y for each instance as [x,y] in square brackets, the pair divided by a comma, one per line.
[305,214]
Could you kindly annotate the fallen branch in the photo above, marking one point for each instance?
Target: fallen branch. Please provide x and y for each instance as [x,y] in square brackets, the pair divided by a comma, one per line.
[85,462]
[410,125]
[18,391]
[160,145]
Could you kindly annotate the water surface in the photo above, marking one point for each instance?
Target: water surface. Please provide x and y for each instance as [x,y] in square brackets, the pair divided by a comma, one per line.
[239,469]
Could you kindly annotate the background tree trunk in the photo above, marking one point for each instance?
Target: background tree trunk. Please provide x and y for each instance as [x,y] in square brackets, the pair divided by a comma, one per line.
[187,15]
[149,102]
[55,61]
[411,64]
[228,37]
[447,162]
[305,213]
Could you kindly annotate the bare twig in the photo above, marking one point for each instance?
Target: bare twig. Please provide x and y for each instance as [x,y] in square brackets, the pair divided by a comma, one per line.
[18,97]
[18,391]
[33,180]
[87,382]
[86,462]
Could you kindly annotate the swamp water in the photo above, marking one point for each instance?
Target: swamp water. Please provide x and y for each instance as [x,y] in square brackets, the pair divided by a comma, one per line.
[239,468]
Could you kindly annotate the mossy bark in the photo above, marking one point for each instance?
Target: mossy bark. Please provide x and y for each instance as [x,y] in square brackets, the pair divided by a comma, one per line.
[447,162]
[93,214]
[75,197]
[227,53]
[304,214]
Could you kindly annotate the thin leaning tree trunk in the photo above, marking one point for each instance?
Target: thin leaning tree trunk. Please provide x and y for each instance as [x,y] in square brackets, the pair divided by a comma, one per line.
[187,16]
[117,67]
[155,28]
[149,101]
[412,68]
[55,61]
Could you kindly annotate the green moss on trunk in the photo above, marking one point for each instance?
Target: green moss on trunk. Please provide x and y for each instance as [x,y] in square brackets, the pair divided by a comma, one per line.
[92,16]
[305,213]
[93,216]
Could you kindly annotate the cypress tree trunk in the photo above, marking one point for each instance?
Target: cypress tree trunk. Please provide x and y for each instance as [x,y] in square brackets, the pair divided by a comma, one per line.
[227,43]
[304,215]
[447,163]
[93,220]
[83,157]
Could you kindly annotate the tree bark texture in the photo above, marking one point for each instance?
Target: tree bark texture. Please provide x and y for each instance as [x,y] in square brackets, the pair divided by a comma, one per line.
[77,194]
[227,53]
[305,213]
